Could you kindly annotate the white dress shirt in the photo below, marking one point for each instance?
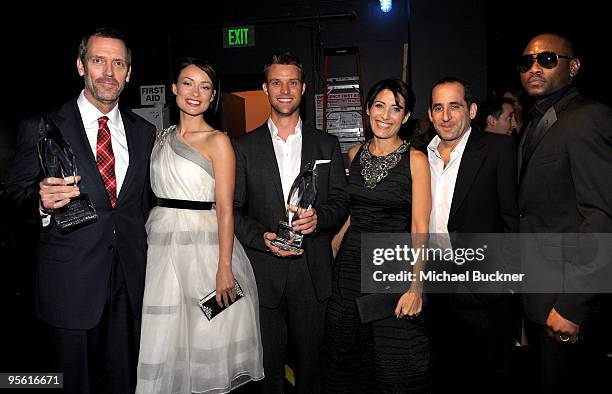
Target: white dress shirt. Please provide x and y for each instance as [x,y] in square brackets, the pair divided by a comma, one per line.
[288,155]
[90,115]
[443,181]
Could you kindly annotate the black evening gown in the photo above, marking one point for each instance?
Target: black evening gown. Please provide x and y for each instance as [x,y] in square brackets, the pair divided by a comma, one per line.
[389,355]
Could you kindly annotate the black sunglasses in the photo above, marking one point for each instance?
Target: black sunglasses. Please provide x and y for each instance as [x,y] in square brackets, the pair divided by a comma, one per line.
[546,59]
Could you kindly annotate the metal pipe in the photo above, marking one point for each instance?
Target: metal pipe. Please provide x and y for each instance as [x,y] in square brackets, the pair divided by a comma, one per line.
[283,19]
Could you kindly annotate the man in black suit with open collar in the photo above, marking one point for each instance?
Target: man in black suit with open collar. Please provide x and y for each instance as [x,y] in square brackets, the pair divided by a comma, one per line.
[89,281]
[293,287]
[473,192]
[565,193]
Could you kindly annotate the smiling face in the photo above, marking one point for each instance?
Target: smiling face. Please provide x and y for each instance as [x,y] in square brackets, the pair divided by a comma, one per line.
[449,111]
[105,71]
[541,82]
[387,116]
[284,89]
[194,90]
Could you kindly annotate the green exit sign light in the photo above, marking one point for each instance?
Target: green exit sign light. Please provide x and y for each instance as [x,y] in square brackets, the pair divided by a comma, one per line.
[237,37]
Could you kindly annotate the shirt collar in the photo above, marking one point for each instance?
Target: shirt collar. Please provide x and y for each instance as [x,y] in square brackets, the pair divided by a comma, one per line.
[274,130]
[90,114]
[543,105]
[433,145]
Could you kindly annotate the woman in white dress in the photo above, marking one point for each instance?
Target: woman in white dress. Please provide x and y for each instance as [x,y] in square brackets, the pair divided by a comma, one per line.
[193,252]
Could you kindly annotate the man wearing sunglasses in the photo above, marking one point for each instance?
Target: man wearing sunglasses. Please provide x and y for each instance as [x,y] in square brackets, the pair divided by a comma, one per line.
[565,167]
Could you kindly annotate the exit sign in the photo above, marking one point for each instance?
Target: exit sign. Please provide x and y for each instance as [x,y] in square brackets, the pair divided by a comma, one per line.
[237,37]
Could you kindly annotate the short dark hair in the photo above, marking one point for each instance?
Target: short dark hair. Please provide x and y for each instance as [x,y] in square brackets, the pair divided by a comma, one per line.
[493,106]
[398,88]
[517,93]
[203,65]
[467,92]
[286,58]
[104,32]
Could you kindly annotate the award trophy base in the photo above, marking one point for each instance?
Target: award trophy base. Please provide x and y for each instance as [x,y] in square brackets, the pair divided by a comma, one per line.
[287,239]
[79,211]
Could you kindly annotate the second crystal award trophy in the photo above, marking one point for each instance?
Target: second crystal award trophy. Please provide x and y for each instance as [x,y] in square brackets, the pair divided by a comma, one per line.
[302,195]
[58,161]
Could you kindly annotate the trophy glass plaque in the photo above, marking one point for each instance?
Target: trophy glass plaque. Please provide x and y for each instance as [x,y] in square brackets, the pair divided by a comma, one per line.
[57,160]
[302,195]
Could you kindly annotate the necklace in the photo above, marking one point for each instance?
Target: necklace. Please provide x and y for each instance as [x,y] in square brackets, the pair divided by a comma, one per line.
[376,168]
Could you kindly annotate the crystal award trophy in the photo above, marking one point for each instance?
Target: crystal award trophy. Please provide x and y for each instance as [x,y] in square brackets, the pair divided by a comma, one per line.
[58,161]
[302,195]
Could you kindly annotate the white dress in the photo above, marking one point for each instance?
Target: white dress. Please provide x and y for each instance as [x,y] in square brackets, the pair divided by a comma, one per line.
[180,350]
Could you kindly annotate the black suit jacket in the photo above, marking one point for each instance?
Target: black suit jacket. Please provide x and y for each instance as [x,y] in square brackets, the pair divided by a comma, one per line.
[566,188]
[484,200]
[259,206]
[73,269]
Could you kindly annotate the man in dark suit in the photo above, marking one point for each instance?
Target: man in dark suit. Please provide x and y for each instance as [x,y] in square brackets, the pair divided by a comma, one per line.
[473,192]
[565,157]
[293,287]
[90,280]
[496,115]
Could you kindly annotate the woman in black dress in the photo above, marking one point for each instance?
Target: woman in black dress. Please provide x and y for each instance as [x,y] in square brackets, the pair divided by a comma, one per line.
[389,192]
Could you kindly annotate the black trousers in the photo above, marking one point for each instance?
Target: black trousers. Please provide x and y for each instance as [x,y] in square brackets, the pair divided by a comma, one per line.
[102,359]
[300,320]
[563,367]
[473,340]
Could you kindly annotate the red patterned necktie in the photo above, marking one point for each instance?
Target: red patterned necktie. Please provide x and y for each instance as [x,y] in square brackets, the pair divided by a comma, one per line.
[105,159]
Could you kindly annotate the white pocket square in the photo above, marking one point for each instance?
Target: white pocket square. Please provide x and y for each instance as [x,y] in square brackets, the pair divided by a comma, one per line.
[317,162]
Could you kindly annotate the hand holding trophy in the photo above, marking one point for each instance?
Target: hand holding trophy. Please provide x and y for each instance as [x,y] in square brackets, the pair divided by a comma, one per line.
[58,161]
[302,196]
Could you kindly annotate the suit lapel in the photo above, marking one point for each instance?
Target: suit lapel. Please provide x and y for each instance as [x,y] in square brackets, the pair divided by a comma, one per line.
[546,122]
[519,152]
[470,163]
[268,157]
[69,121]
[135,150]
[307,148]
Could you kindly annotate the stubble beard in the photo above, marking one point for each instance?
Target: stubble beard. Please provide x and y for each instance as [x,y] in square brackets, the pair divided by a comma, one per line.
[97,93]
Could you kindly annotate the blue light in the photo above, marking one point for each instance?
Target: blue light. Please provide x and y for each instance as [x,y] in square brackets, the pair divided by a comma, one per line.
[386,5]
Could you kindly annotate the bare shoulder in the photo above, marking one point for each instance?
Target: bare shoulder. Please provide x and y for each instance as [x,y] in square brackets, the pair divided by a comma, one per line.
[218,138]
[418,161]
[209,143]
[218,144]
[417,155]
